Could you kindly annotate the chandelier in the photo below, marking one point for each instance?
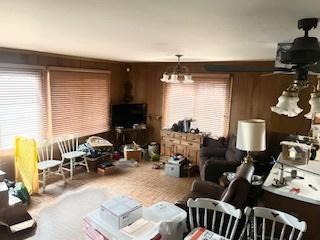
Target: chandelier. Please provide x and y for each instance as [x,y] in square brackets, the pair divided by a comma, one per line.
[288,101]
[177,74]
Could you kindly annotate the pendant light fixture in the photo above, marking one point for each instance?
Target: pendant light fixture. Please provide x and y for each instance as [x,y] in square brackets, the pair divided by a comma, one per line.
[288,101]
[314,101]
[287,104]
[178,74]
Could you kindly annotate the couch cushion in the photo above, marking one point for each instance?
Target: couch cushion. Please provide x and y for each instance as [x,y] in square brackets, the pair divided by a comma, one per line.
[213,147]
[210,142]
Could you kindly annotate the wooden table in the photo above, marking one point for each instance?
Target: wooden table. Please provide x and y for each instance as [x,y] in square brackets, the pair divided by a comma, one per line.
[127,135]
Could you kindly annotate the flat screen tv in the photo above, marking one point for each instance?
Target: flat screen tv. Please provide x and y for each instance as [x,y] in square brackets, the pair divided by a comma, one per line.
[125,115]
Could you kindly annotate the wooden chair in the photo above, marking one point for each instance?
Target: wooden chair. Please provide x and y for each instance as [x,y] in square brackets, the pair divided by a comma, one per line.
[68,145]
[283,220]
[225,217]
[47,165]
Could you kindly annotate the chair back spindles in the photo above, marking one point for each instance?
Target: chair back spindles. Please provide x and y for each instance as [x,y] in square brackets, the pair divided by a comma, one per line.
[226,212]
[263,214]
[214,219]
[45,150]
[68,143]
[221,223]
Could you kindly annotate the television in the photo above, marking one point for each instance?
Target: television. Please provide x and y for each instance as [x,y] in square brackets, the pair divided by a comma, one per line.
[125,115]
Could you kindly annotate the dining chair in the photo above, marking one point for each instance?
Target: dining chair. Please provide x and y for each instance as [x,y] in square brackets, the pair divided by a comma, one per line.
[47,165]
[273,219]
[225,217]
[68,145]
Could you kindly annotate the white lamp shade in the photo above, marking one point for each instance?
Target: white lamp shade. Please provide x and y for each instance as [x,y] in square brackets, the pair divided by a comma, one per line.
[251,135]
[315,105]
[187,79]
[174,78]
[165,78]
[287,105]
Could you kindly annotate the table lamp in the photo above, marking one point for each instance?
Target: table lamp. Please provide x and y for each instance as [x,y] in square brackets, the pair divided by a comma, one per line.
[251,137]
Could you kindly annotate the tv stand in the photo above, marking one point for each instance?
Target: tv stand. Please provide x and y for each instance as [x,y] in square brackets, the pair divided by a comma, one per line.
[128,135]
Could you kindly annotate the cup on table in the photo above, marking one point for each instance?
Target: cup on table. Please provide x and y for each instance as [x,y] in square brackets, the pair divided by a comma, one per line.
[294,173]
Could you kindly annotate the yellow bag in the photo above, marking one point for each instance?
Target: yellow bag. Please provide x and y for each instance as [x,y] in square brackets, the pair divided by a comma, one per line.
[26,163]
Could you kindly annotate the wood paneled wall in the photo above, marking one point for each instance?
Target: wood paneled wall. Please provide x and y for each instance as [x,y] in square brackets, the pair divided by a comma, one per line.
[118,69]
[252,96]
[118,76]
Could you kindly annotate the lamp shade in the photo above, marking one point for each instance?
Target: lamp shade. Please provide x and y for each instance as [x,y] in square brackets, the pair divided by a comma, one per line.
[315,105]
[287,104]
[187,79]
[173,78]
[251,135]
[165,78]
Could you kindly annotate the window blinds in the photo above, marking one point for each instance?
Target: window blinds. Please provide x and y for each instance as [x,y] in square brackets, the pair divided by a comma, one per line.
[21,105]
[79,102]
[207,101]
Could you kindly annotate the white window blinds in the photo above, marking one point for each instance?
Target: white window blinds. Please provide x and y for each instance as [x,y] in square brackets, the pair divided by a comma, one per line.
[21,105]
[79,102]
[207,101]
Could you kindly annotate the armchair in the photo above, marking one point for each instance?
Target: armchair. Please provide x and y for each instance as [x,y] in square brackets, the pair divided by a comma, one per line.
[236,193]
[218,156]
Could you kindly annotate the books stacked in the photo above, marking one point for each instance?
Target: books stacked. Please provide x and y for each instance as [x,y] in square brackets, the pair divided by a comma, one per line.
[203,234]
[105,168]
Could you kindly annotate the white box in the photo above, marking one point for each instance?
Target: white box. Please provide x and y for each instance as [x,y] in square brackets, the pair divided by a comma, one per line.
[121,211]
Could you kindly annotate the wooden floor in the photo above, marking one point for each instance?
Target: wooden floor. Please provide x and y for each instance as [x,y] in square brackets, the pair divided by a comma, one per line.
[143,183]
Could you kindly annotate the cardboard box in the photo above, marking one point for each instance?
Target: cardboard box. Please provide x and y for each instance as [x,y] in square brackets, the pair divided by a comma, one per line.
[132,154]
[121,211]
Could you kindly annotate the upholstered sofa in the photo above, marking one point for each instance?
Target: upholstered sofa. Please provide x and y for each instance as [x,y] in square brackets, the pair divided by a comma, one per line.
[218,156]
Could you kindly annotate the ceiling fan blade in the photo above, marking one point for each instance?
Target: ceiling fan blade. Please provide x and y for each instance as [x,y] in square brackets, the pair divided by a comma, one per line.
[271,74]
[237,68]
[313,67]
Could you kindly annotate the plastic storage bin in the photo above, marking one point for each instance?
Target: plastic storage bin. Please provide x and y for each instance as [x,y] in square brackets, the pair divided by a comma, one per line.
[172,218]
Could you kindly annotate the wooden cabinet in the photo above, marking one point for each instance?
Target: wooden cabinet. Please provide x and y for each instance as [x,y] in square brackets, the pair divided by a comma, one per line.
[180,149]
[182,143]
[193,155]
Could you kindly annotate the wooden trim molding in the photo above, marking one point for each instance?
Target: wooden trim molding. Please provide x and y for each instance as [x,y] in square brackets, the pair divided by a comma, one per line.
[68,69]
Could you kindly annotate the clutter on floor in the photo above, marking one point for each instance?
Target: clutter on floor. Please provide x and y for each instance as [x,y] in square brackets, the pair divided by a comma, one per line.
[179,166]
[132,152]
[122,217]
[13,214]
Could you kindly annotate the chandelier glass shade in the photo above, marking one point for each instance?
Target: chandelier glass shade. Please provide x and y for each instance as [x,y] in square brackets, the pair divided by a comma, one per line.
[314,104]
[178,74]
[287,104]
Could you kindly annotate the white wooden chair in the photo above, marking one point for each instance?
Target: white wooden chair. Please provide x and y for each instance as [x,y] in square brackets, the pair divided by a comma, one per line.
[277,220]
[47,165]
[68,145]
[227,214]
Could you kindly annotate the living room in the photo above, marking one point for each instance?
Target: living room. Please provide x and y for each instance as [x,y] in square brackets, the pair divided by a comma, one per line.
[199,76]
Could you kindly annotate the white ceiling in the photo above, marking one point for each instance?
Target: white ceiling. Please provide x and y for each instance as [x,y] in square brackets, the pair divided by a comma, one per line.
[154,30]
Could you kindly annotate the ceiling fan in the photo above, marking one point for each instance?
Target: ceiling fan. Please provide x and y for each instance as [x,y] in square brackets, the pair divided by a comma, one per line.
[300,57]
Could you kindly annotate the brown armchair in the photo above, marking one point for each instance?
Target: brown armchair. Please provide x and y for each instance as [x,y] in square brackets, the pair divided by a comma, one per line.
[235,193]
[218,156]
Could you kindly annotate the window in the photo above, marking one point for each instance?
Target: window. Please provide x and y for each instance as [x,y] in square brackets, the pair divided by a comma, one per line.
[79,102]
[207,101]
[21,105]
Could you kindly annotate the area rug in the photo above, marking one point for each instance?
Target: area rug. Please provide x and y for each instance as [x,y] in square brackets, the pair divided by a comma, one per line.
[63,219]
